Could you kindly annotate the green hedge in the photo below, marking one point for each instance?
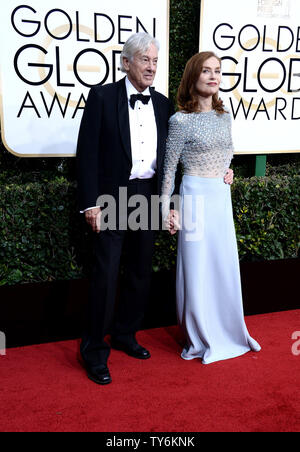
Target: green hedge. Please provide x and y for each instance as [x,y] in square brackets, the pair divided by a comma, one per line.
[37,232]
[267,217]
[267,221]
[43,238]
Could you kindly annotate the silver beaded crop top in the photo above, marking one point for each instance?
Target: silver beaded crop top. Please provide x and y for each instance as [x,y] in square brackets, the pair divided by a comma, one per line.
[202,142]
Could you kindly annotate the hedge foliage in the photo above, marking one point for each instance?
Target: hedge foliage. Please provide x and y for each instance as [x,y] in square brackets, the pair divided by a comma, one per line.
[37,241]
[43,238]
[267,220]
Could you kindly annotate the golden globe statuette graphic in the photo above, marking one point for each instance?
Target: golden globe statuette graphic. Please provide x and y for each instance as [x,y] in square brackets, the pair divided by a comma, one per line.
[274,77]
[97,73]
[276,74]
[259,43]
[55,55]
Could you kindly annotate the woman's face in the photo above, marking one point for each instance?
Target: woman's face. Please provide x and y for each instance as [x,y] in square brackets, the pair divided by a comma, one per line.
[210,78]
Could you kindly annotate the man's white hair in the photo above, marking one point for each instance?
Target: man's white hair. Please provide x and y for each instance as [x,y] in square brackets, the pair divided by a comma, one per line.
[137,43]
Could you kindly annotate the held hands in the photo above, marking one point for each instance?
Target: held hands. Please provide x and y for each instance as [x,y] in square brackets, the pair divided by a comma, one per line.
[228,179]
[172,222]
[93,217]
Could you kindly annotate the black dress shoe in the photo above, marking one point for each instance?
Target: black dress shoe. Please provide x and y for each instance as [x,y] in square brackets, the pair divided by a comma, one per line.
[135,350]
[100,375]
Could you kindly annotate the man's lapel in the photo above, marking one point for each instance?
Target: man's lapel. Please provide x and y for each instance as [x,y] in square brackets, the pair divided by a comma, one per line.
[124,118]
[157,114]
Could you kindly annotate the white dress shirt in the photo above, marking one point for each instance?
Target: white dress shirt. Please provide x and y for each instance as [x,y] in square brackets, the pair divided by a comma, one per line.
[143,134]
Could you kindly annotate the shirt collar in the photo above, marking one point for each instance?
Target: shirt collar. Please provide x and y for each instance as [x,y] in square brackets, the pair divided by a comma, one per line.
[132,90]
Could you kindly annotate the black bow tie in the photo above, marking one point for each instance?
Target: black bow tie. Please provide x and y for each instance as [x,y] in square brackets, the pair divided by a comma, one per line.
[141,97]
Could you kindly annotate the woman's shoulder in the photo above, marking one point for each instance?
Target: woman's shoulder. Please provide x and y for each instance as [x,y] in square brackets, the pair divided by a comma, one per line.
[227,113]
[179,117]
[225,117]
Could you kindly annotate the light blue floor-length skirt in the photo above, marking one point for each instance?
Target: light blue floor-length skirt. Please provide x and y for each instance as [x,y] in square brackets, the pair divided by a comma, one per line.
[209,296]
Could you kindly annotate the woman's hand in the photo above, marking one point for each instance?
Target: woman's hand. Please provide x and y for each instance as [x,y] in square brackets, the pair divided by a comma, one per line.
[228,179]
[172,222]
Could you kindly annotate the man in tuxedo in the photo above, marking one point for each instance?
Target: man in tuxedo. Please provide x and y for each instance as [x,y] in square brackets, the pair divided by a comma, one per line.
[121,143]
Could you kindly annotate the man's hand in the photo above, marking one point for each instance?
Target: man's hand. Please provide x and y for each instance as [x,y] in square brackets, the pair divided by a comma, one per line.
[172,222]
[228,179]
[93,217]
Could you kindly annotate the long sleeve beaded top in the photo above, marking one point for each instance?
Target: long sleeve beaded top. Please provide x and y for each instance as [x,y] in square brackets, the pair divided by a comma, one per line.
[202,142]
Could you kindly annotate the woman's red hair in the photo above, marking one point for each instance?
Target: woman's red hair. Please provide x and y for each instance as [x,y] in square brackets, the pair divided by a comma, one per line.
[187,96]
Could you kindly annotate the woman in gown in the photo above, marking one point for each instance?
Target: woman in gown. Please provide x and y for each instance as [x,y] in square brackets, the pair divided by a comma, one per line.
[208,285]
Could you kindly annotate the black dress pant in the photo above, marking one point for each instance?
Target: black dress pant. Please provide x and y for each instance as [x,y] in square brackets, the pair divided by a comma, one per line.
[135,247]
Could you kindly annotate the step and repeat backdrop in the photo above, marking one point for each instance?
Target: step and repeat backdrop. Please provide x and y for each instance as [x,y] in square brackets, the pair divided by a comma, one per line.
[259,43]
[53,52]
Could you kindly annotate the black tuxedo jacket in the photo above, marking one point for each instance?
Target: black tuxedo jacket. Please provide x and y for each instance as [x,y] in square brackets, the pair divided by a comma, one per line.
[104,158]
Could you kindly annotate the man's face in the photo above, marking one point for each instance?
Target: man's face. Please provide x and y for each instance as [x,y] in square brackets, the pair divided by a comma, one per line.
[142,69]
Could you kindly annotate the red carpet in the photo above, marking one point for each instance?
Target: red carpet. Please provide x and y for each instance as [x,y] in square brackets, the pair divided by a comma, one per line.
[43,387]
